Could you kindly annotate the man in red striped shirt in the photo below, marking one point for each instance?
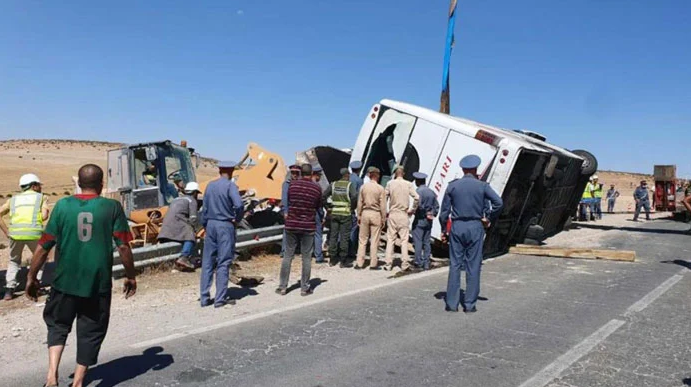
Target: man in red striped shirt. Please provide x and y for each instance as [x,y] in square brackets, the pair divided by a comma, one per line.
[304,198]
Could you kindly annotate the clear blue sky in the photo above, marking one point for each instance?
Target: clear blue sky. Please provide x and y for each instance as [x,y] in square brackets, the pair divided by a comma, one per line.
[611,76]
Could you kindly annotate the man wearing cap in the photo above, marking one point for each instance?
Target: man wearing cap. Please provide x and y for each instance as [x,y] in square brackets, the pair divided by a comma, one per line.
[343,196]
[222,210]
[371,215]
[319,233]
[293,174]
[642,198]
[399,191]
[28,211]
[422,223]
[356,167]
[179,225]
[465,202]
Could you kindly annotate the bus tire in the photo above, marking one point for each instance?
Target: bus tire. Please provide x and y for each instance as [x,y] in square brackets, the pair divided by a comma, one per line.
[589,166]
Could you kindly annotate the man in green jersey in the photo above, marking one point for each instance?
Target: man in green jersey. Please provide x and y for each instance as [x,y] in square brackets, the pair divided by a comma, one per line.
[83,227]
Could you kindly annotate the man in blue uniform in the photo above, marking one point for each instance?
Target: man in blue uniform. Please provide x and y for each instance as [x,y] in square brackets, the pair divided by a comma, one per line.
[465,202]
[222,210]
[355,167]
[642,198]
[319,233]
[293,174]
[422,223]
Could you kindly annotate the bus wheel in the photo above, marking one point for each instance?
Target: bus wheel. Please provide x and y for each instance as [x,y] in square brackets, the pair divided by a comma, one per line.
[589,164]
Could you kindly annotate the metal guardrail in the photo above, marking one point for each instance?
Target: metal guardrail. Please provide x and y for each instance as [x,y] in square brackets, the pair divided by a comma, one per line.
[164,252]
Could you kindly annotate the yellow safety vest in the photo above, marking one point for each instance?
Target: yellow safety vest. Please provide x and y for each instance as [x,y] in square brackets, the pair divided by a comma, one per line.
[587,194]
[598,191]
[26,219]
[340,192]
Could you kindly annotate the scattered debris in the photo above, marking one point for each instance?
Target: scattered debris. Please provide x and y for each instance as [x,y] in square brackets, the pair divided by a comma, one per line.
[560,252]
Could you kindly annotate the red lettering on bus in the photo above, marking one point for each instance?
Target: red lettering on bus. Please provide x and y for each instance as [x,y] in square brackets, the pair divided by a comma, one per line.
[445,170]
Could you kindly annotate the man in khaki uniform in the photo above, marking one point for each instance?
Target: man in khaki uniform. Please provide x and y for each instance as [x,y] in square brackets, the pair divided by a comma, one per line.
[371,214]
[399,191]
[28,211]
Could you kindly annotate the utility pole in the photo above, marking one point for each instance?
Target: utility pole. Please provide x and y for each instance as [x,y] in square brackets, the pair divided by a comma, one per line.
[445,93]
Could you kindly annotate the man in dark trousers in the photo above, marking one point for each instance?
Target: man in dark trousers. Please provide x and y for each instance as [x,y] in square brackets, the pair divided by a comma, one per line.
[319,233]
[642,198]
[427,210]
[356,168]
[304,199]
[464,203]
[222,210]
[84,228]
[293,174]
[343,194]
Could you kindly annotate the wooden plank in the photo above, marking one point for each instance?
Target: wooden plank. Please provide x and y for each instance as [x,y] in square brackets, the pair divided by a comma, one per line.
[577,253]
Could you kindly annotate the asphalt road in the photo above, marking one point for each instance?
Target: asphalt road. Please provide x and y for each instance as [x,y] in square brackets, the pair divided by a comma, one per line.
[543,322]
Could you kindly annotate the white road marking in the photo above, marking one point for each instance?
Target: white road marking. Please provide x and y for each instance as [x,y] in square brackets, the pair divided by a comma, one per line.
[653,295]
[581,349]
[565,361]
[257,316]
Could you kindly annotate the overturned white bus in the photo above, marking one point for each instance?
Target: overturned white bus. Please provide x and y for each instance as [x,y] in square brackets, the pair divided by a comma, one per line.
[541,184]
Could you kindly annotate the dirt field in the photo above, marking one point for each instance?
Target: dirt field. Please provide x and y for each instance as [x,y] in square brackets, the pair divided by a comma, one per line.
[55,162]
[625,183]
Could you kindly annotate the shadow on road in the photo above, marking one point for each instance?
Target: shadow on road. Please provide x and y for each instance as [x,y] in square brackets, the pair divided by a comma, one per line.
[314,282]
[127,368]
[240,293]
[681,263]
[687,381]
[633,229]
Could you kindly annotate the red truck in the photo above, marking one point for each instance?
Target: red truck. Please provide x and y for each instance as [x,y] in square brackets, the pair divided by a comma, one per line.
[664,197]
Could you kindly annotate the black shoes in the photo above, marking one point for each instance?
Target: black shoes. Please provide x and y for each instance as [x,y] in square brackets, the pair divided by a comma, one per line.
[375,268]
[306,293]
[281,291]
[358,267]
[446,308]
[472,310]
[224,303]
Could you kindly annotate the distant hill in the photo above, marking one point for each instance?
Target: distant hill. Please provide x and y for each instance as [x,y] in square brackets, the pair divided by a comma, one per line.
[56,161]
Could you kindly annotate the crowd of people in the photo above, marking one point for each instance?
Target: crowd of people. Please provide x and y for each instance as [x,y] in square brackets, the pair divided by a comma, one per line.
[86,226]
[590,206]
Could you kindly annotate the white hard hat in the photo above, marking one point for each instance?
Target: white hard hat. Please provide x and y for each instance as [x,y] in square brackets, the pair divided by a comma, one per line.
[191,187]
[28,179]
[594,177]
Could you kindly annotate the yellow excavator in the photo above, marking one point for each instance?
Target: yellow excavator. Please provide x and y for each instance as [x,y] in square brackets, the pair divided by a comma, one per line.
[146,177]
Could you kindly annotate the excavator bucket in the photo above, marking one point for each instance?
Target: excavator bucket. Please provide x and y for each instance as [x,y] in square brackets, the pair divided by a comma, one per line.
[260,172]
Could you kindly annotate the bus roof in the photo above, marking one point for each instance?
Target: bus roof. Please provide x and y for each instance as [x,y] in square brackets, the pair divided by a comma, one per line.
[470,127]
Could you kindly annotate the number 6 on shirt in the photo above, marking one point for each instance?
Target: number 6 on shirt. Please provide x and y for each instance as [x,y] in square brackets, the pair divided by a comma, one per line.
[84,226]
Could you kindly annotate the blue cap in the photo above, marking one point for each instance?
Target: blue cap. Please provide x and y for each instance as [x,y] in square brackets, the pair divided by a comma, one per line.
[356,165]
[470,162]
[294,167]
[227,164]
[317,170]
[420,175]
